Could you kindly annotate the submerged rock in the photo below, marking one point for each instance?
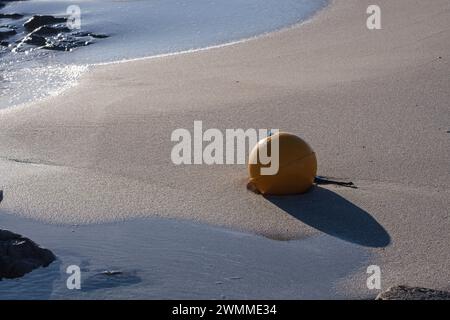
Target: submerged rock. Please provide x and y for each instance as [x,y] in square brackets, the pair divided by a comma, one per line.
[413,293]
[65,42]
[50,30]
[37,21]
[9,26]
[20,255]
[11,16]
[90,34]
[6,33]
[59,37]
[60,42]
[108,279]
[44,32]
[35,40]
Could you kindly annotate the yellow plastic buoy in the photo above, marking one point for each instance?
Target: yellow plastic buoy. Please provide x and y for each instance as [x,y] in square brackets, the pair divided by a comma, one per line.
[296,170]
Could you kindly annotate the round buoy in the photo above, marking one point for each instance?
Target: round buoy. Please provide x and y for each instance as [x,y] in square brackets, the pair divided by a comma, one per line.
[297,165]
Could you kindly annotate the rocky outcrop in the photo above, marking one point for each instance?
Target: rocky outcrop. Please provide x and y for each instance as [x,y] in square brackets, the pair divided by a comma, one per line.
[41,32]
[37,21]
[90,34]
[14,16]
[6,32]
[66,42]
[51,30]
[35,40]
[413,293]
[20,255]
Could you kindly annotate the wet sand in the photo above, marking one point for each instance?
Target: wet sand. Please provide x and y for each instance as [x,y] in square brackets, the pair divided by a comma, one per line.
[166,259]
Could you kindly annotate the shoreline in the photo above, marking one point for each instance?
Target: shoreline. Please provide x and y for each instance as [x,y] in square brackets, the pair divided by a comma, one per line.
[371,103]
[92,66]
[298,24]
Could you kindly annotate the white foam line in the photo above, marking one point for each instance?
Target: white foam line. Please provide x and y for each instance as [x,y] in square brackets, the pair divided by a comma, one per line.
[218,46]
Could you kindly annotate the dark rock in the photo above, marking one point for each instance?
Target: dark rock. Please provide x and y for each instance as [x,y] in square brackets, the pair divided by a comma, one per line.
[4,43]
[9,26]
[11,16]
[41,20]
[50,30]
[58,37]
[35,40]
[413,293]
[89,34]
[98,35]
[80,34]
[20,255]
[6,33]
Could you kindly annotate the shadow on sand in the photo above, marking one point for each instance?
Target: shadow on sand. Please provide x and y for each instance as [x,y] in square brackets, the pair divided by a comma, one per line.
[330,213]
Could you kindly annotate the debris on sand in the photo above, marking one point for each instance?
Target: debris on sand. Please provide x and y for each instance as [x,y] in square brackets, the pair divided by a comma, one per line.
[327,180]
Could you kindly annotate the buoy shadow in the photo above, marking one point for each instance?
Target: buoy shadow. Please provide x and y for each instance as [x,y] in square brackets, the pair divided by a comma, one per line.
[330,213]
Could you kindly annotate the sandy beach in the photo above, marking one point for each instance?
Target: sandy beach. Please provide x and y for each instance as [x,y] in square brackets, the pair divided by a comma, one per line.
[374,105]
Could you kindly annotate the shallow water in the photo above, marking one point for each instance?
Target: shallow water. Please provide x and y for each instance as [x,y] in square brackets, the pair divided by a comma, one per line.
[137,28]
[181,260]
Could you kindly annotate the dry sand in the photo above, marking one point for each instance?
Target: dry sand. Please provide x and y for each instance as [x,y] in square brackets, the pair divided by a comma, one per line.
[373,104]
